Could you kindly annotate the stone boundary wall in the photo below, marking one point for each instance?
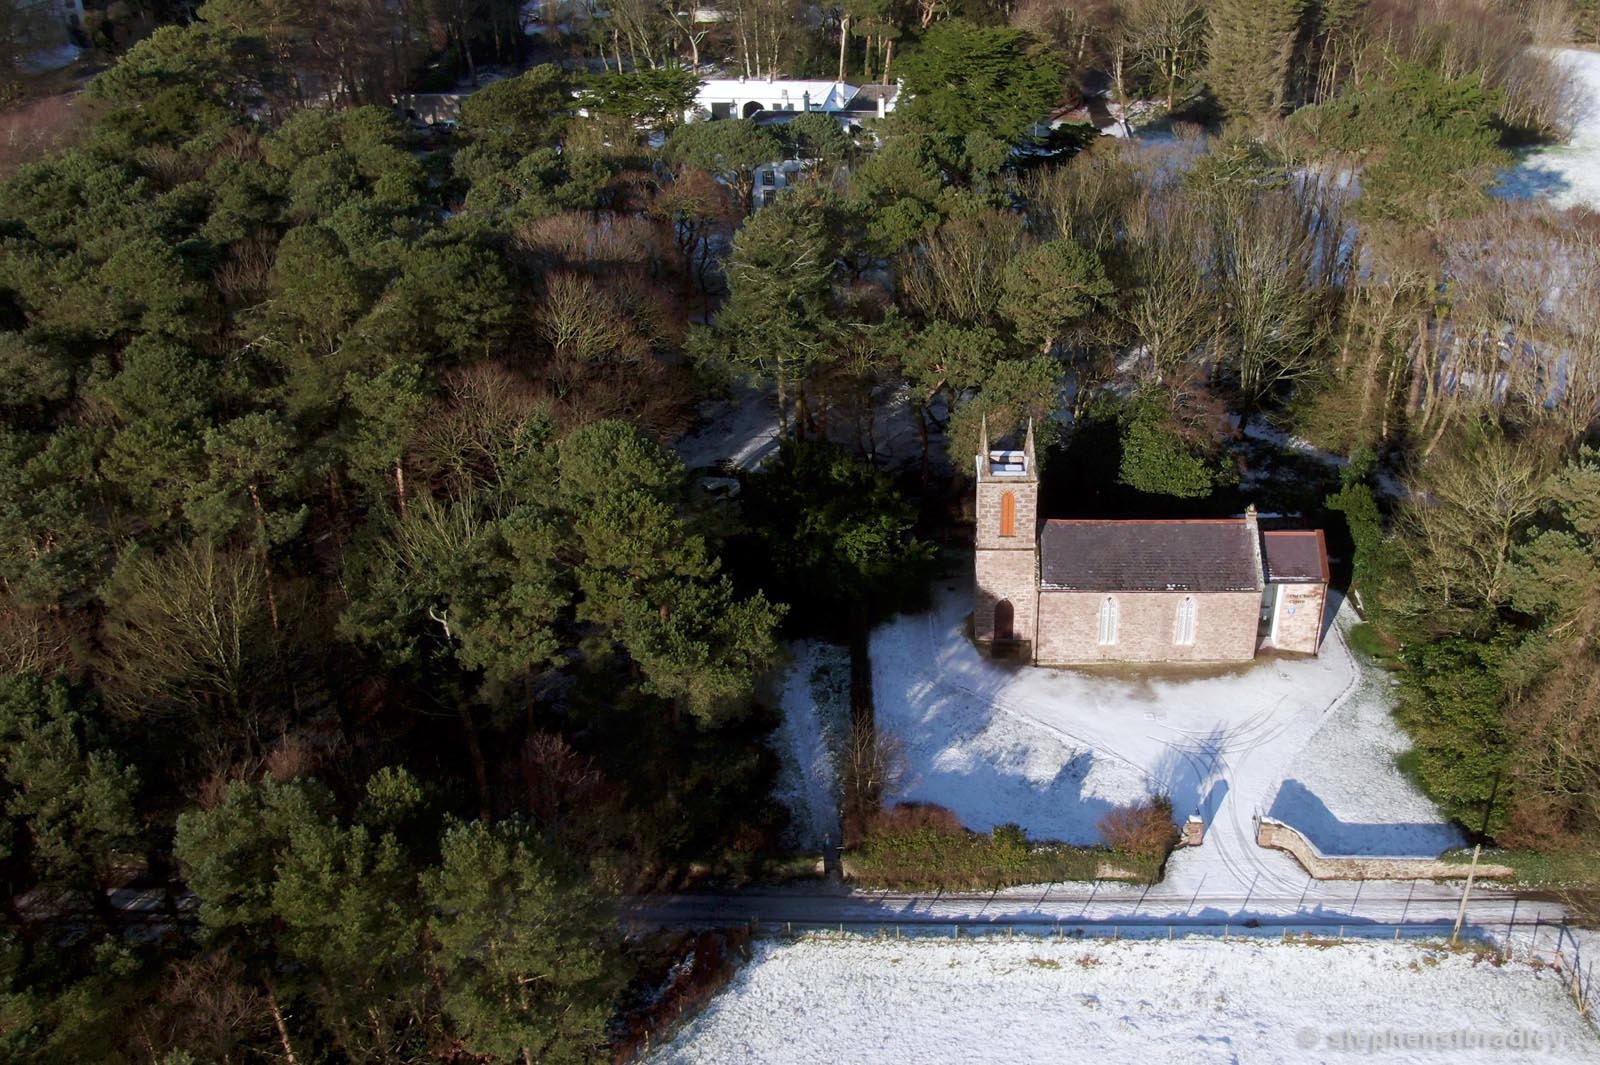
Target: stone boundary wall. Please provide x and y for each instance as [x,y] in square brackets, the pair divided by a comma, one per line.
[1279,836]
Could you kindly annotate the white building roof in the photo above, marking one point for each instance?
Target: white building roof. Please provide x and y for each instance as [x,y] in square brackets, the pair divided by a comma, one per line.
[822,95]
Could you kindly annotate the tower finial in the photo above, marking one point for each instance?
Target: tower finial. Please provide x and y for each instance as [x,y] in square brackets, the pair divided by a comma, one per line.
[1027,446]
[983,437]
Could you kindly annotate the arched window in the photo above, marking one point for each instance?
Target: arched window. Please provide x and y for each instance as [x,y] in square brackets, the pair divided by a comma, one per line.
[1183,628]
[1005,620]
[1108,621]
[1008,514]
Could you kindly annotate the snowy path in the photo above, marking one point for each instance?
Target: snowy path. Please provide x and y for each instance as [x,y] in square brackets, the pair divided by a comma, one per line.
[816,718]
[1327,906]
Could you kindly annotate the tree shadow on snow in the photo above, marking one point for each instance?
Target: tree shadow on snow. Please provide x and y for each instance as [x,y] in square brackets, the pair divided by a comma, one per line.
[985,767]
[1188,774]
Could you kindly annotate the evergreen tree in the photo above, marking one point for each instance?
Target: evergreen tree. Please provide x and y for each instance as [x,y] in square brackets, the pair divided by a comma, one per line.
[779,322]
[729,150]
[1051,287]
[525,947]
[973,88]
[836,537]
[67,798]
[1251,50]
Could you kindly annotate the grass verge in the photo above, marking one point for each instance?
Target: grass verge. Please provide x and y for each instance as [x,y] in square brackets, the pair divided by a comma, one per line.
[1575,870]
[1368,642]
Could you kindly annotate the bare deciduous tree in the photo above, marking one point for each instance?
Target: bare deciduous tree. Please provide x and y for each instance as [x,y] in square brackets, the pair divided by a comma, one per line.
[955,274]
[187,639]
[1463,519]
[873,766]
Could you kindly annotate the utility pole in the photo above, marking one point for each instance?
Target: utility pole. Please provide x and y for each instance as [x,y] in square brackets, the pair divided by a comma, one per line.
[1461,912]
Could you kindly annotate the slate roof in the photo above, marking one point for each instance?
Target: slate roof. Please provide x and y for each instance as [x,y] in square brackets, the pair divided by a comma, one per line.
[1295,555]
[1149,556]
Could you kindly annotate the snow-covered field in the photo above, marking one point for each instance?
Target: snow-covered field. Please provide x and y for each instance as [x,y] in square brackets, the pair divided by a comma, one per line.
[921,1002]
[816,712]
[1567,175]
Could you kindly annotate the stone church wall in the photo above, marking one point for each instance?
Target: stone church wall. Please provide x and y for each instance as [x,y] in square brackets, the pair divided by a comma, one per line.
[1300,608]
[1009,575]
[1069,627]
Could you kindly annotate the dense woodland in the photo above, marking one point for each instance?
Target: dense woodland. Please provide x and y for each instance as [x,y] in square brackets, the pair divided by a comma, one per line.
[361,638]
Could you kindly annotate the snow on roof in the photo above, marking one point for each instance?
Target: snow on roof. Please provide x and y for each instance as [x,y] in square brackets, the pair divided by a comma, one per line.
[1008,463]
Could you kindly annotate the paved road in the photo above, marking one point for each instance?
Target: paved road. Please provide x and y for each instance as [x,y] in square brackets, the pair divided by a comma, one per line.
[1348,908]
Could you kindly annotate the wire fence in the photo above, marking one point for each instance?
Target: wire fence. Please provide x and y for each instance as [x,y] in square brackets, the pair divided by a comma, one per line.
[1554,944]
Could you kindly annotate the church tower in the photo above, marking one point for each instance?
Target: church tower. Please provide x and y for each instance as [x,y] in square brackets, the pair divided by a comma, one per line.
[1006,604]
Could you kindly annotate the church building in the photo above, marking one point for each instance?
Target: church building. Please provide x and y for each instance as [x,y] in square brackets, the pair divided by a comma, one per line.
[1071,591]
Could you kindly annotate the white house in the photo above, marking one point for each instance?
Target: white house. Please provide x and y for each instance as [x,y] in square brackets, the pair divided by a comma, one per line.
[748,97]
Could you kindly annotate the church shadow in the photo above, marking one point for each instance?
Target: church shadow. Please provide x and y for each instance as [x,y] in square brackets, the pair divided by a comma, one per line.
[1330,610]
[1297,806]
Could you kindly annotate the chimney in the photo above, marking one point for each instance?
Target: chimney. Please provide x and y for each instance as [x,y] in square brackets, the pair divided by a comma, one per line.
[1254,528]
[982,458]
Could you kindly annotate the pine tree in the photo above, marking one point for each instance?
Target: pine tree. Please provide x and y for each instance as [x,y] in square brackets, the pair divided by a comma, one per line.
[1252,49]
[523,946]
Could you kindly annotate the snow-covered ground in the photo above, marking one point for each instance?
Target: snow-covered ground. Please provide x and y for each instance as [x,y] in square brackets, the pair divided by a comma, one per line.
[1263,431]
[1341,789]
[1052,750]
[816,712]
[1567,175]
[921,1002]
[742,430]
